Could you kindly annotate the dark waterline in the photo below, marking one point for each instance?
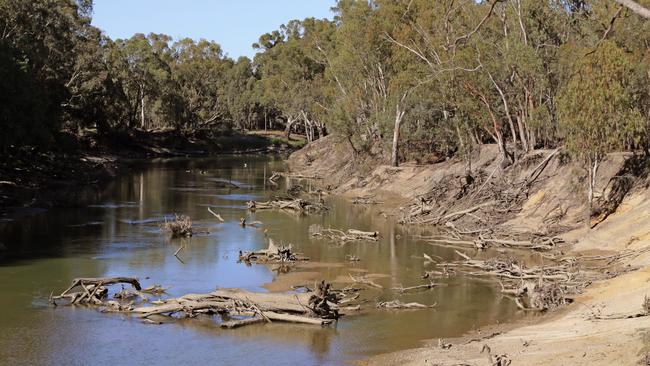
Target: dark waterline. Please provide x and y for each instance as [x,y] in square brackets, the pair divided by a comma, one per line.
[114,231]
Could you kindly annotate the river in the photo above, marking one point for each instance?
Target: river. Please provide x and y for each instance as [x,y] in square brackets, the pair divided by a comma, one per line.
[115,231]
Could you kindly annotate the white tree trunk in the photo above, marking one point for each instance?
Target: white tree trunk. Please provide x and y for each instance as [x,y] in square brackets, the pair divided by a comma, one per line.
[399,114]
[143,123]
[290,122]
[594,162]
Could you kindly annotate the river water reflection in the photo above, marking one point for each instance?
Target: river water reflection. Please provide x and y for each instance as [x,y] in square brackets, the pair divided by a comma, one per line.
[114,231]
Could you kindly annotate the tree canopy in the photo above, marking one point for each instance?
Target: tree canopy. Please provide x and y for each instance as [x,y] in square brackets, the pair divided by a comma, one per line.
[399,79]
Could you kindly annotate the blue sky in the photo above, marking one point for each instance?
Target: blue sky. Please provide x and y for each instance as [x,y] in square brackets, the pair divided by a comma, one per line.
[235,24]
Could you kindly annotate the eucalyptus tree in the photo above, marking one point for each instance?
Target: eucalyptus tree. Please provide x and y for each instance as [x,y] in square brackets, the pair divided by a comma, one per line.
[50,65]
[287,72]
[596,107]
[202,73]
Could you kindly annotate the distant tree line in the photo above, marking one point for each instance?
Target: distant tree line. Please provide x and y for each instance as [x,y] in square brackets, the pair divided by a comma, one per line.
[397,78]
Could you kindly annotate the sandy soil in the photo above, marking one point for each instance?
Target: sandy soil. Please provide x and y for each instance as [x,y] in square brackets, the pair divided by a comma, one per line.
[573,337]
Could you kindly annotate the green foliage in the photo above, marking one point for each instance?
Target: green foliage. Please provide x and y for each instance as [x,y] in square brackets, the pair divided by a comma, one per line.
[596,107]
[447,75]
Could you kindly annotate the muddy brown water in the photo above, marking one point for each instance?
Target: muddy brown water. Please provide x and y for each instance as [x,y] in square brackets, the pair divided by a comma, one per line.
[115,231]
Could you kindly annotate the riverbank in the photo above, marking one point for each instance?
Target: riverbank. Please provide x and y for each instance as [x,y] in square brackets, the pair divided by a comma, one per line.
[606,322]
[32,179]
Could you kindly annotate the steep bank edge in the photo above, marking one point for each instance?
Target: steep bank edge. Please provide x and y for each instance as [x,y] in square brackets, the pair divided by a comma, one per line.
[565,338]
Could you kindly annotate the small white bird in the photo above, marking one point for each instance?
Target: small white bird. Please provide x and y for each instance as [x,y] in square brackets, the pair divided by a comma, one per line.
[245,165]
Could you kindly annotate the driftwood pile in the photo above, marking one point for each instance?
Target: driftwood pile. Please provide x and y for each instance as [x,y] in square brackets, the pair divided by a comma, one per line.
[343,236]
[366,200]
[180,226]
[92,291]
[470,209]
[535,288]
[276,175]
[295,204]
[235,307]
[271,255]
[511,240]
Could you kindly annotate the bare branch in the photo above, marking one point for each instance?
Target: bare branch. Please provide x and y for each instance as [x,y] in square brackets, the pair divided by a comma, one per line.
[480,24]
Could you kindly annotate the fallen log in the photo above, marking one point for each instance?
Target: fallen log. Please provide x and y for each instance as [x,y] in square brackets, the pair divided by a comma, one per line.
[365,281]
[242,322]
[397,304]
[536,288]
[319,307]
[155,289]
[93,289]
[272,254]
[295,204]
[275,175]
[427,286]
[218,216]
[341,236]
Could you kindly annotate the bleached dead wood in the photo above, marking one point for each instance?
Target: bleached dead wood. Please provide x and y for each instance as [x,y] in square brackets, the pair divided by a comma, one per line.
[296,204]
[365,281]
[242,322]
[92,290]
[319,307]
[218,216]
[272,254]
[397,304]
[343,236]
[295,175]
[426,286]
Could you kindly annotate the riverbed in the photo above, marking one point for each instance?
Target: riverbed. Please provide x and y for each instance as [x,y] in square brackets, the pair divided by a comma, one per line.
[115,231]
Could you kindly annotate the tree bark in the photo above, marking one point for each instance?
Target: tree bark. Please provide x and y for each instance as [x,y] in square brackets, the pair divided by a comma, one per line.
[594,163]
[309,129]
[399,114]
[142,119]
[506,109]
[290,122]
